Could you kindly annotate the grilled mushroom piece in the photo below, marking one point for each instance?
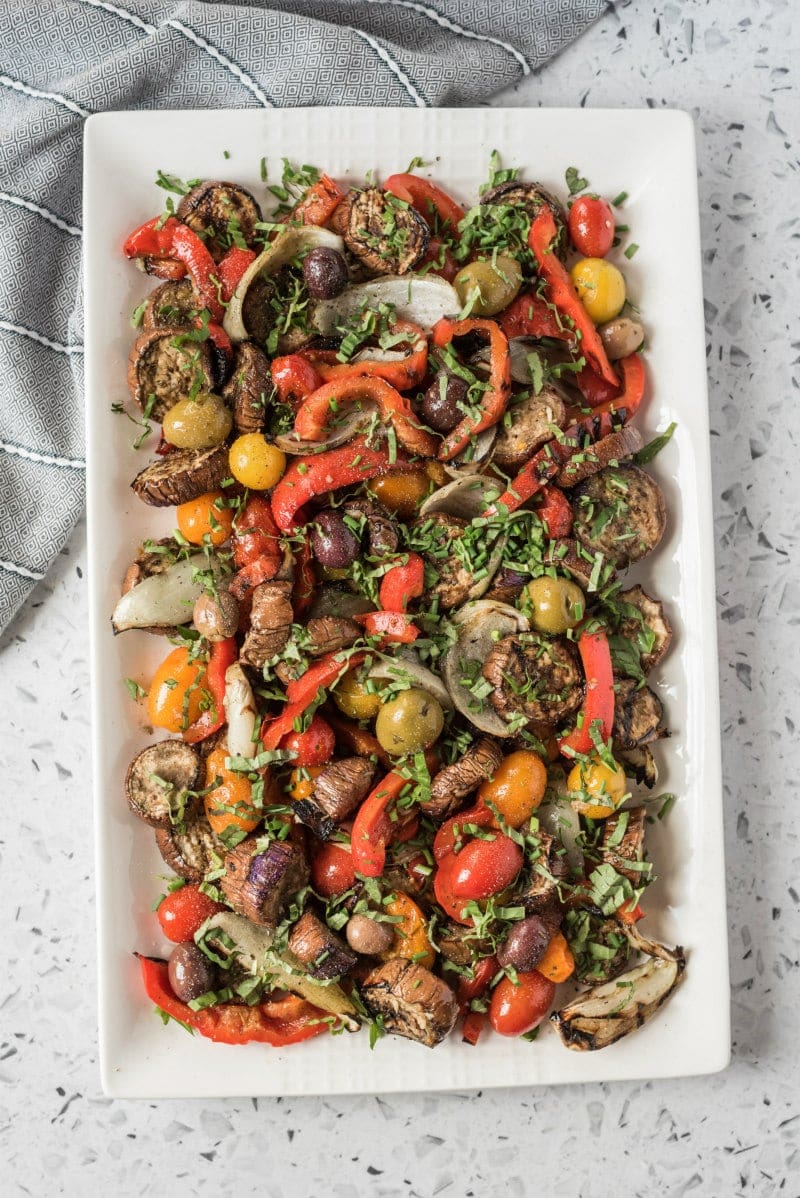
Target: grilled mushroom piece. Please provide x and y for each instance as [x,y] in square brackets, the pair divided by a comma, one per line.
[322,952]
[386,236]
[623,843]
[610,1011]
[651,616]
[182,475]
[149,562]
[330,633]
[453,783]
[528,424]
[540,895]
[259,884]
[621,512]
[535,676]
[532,197]
[608,451]
[638,715]
[455,581]
[161,365]
[338,789]
[172,305]
[588,568]
[270,623]
[158,781]
[601,949]
[507,585]
[458,943]
[191,851]
[411,1000]
[212,209]
[381,530]
[247,389]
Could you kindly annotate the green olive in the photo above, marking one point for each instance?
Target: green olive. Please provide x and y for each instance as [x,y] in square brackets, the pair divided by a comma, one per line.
[198,423]
[409,723]
[497,284]
[553,604]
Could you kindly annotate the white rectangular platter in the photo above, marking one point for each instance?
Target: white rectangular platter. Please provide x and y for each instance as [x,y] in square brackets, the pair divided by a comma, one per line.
[651,156]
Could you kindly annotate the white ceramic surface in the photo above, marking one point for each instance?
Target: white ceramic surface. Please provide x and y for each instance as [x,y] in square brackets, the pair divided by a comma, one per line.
[649,154]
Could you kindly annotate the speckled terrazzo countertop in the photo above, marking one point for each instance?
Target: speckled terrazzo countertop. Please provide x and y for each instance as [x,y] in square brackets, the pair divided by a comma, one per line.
[733,65]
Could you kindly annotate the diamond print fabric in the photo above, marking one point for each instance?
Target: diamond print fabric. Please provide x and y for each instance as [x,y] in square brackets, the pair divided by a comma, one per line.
[63,59]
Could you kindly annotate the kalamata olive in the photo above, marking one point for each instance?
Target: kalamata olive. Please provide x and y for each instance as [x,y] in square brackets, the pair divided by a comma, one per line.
[367,936]
[334,544]
[216,617]
[621,337]
[525,944]
[324,272]
[190,973]
[440,403]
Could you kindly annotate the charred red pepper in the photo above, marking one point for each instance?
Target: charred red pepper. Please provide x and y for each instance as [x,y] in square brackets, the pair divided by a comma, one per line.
[305,579]
[434,205]
[317,410]
[555,510]
[153,239]
[629,912]
[438,260]
[222,655]
[531,316]
[541,239]
[232,267]
[306,477]
[401,584]
[543,466]
[473,1025]
[295,378]
[260,569]
[373,827]
[627,402]
[303,691]
[393,626]
[176,240]
[279,1021]
[495,398]
[255,533]
[597,714]
[319,203]
[402,374]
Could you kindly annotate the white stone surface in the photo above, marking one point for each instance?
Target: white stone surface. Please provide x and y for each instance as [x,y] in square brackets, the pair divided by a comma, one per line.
[733,65]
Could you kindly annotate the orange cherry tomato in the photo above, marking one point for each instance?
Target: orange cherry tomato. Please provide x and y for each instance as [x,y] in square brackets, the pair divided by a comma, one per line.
[557,963]
[332,870]
[516,1009]
[402,493]
[206,516]
[229,804]
[410,934]
[301,782]
[177,692]
[183,911]
[517,788]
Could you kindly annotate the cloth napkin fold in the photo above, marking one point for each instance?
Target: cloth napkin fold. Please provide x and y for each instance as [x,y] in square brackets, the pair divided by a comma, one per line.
[61,60]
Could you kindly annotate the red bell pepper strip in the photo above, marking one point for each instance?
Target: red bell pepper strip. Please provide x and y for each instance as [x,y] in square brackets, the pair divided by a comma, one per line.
[495,399]
[373,828]
[222,655]
[303,691]
[543,466]
[153,239]
[164,268]
[541,239]
[395,627]
[319,203]
[531,316]
[402,374]
[626,404]
[219,337]
[295,377]
[278,1022]
[305,579]
[427,199]
[261,569]
[316,411]
[401,584]
[595,391]
[629,912]
[189,249]
[231,268]
[555,511]
[473,1025]
[597,713]
[306,477]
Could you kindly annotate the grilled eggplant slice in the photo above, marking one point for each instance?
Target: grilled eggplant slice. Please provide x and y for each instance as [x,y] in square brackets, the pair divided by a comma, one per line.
[607,451]
[270,623]
[158,781]
[640,765]
[172,305]
[536,676]
[160,365]
[214,210]
[191,851]
[341,786]
[182,475]
[532,197]
[322,952]
[453,783]
[259,884]
[411,1001]
[621,512]
[651,616]
[638,715]
[247,389]
[528,424]
[386,236]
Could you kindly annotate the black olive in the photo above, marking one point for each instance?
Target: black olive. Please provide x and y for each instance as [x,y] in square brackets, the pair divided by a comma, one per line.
[325,273]
[440,403]
[525,944]
[335,546]
[190,973]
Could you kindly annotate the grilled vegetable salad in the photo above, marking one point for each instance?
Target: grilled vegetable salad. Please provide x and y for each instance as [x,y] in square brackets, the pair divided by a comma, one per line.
[405,680]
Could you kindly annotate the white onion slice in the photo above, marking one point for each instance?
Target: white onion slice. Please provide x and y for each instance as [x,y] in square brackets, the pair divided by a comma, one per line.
[240,712]
[165,599]
[422,299]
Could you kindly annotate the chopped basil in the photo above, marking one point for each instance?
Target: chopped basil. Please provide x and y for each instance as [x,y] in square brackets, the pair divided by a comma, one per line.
[575,182]
[654,447]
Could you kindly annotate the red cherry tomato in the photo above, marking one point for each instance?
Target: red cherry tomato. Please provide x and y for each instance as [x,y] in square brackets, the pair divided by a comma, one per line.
[515,1010]
[443,890]
[485,867]
[184,911]
[314,746]
[591,226]
[332,870]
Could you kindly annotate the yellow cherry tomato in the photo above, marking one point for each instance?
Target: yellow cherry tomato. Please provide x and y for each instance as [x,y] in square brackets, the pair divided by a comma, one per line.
[301,782]
[352,697]
[517,788]
[601,288]
[402,493]
[229,804]
[410,933]
[255,462]
[597,789]
[177,692]
[206,516]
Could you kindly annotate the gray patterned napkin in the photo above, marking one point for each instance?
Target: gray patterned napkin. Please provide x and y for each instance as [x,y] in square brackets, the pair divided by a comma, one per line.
[63,59]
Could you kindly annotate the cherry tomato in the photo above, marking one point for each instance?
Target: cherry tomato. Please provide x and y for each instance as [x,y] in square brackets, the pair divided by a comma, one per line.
[443,889]
[591,226]
[176,692]
[516,1009]
[517,787]
[255,533]
[184,911]
[451,833]
[485,867]
[205,516]
[332,870]
[229,804]
[314,746]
